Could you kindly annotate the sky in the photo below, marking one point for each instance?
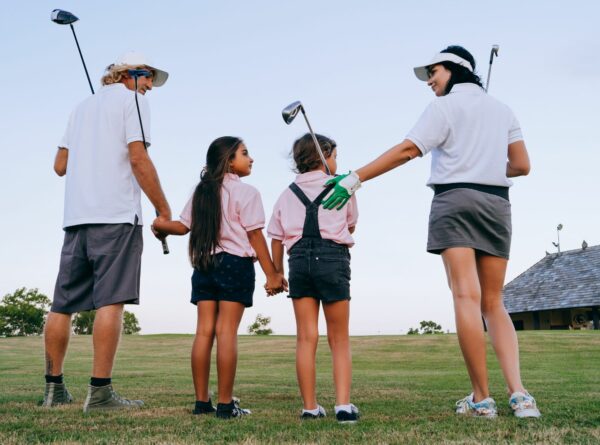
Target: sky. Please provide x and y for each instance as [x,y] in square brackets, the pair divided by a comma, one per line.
[234,65]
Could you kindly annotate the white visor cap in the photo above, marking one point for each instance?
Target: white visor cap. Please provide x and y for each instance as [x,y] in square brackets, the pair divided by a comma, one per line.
[135,59]
[421,71]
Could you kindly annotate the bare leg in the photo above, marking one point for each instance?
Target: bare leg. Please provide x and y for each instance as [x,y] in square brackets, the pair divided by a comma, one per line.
[228,320]
[202,347]
[56,340]
[337,315]
[492,271]
[106,335]
[306,311]
[461,269]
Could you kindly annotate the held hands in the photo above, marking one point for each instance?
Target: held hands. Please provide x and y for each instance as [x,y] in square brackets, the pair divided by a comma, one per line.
[158,227]
[276,284]
[345,186]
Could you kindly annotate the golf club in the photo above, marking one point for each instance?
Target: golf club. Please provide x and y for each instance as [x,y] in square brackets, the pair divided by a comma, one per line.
[289,113]
[136,74]
[494,51]
[66,18]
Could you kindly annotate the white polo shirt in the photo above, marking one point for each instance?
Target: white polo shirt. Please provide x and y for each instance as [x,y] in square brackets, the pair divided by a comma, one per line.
[468,133]
[100,187]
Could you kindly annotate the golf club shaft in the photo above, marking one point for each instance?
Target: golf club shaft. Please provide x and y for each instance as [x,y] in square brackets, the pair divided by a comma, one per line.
[312,133]
[163,241]
[82,61]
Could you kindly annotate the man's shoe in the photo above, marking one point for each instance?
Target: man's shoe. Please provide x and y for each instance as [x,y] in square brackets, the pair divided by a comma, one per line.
[344,416]
[204,407]
[231,410]
[307,414]
[105,398]
[56,394]
[523,405]
[484,408]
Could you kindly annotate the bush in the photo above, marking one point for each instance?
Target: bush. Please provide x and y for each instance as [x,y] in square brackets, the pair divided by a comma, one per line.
[83,323]
[260,326]
[427,327]
[23,312]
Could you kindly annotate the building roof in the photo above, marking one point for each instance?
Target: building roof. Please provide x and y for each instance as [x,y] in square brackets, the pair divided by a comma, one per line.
[557,281]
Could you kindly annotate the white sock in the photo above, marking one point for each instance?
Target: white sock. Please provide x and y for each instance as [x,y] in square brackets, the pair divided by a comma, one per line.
[347,408]
[314,412]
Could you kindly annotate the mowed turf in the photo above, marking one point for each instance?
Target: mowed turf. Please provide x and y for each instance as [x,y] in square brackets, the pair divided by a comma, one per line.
[405,387]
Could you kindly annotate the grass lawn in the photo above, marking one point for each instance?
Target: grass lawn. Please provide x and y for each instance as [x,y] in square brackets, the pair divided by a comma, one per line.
[405,387]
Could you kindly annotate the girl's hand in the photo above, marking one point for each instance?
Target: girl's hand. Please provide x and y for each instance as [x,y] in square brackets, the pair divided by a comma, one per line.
[276,283]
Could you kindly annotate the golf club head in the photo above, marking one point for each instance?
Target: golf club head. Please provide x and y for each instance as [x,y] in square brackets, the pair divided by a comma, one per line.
[290,112]
[495,49]
[63,17]
[139,73]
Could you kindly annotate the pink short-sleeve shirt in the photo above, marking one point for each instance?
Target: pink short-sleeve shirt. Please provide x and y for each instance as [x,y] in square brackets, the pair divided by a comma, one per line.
[242,211]
[287,220]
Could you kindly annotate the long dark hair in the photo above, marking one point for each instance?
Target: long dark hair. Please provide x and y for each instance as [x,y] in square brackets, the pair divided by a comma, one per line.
[458,73]
[206,204]
[305,153]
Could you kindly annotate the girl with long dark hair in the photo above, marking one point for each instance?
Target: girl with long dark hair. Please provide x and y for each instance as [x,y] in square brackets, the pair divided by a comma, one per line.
[225,218]
[476,145]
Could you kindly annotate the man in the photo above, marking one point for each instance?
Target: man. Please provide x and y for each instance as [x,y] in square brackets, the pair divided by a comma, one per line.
[106,164]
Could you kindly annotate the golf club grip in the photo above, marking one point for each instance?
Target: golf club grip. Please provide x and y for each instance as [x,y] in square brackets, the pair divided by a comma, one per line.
[165,246]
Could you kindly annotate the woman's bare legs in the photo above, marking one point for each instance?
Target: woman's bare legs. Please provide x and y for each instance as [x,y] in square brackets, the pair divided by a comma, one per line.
[306,311]
[491,271]
[461,270]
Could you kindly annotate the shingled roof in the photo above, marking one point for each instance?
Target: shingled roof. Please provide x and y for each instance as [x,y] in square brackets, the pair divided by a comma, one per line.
[557,281]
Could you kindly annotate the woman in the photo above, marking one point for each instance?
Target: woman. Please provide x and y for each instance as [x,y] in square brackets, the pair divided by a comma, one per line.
[471,135]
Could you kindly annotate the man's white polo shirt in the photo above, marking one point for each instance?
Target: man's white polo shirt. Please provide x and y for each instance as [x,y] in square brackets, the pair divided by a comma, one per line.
[100,186]
[468,133]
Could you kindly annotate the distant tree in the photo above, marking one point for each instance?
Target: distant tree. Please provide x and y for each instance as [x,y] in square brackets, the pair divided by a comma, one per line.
[22,313]
[130,323]
[431,327]
[427,327]
[83,323]
[260,326]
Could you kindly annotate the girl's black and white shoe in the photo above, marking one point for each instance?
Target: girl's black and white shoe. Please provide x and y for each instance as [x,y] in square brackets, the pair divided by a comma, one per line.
[231,410]
[345,415]
[308,414]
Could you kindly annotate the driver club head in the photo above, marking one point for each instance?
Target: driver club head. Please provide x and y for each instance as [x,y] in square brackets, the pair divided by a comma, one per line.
[495,49]
[63,17]
[290,112]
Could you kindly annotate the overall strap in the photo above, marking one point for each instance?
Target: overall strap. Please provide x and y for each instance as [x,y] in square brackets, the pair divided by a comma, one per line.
[311,221]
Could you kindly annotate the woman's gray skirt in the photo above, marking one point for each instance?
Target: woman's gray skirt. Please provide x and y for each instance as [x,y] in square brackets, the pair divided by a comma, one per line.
[464,217]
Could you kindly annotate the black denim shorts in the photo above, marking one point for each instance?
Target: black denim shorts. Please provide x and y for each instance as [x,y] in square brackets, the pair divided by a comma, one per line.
[319,269]
[231,279]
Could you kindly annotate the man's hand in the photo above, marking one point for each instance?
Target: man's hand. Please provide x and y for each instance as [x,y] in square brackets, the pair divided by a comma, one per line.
[345,186]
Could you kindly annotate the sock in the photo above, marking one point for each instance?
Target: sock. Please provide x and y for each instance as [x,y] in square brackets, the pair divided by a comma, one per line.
[347,408]
[201,404]
[98,381]
[54,378]
[314,412]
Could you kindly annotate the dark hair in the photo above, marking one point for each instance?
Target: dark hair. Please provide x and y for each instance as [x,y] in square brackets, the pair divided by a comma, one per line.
[458,73]
[305,153]
[206,203]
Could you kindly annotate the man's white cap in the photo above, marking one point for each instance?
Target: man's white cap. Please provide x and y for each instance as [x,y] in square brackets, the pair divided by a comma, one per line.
[421,71]
[135,59]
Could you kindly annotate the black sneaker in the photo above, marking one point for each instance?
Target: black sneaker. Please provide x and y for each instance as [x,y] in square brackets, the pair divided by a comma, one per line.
[204,407]
[343,416]
[56,394]
[231,409]
[307,415]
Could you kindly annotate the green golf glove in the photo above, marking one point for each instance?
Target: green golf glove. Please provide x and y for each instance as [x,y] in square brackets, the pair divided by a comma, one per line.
[345,186]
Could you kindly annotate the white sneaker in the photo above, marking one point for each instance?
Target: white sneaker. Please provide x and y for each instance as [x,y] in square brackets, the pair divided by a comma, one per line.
[484,408]
[523,405]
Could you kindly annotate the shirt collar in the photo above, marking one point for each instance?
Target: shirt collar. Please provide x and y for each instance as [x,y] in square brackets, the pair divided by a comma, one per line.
[231,177]
[466,87]
[310,176]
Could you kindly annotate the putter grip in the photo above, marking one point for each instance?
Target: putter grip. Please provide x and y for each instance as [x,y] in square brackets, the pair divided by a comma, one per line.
[165,246]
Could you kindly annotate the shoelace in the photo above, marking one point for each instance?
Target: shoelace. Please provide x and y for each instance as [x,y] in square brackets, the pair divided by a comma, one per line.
[521,403]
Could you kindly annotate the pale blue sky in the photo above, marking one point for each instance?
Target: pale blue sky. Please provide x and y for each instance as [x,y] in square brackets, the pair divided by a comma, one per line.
[235,64]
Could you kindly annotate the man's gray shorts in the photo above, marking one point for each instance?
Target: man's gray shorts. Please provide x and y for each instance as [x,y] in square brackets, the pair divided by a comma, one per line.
[99,265]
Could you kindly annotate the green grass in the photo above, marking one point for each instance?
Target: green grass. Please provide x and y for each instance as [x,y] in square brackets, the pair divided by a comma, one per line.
[405,387]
